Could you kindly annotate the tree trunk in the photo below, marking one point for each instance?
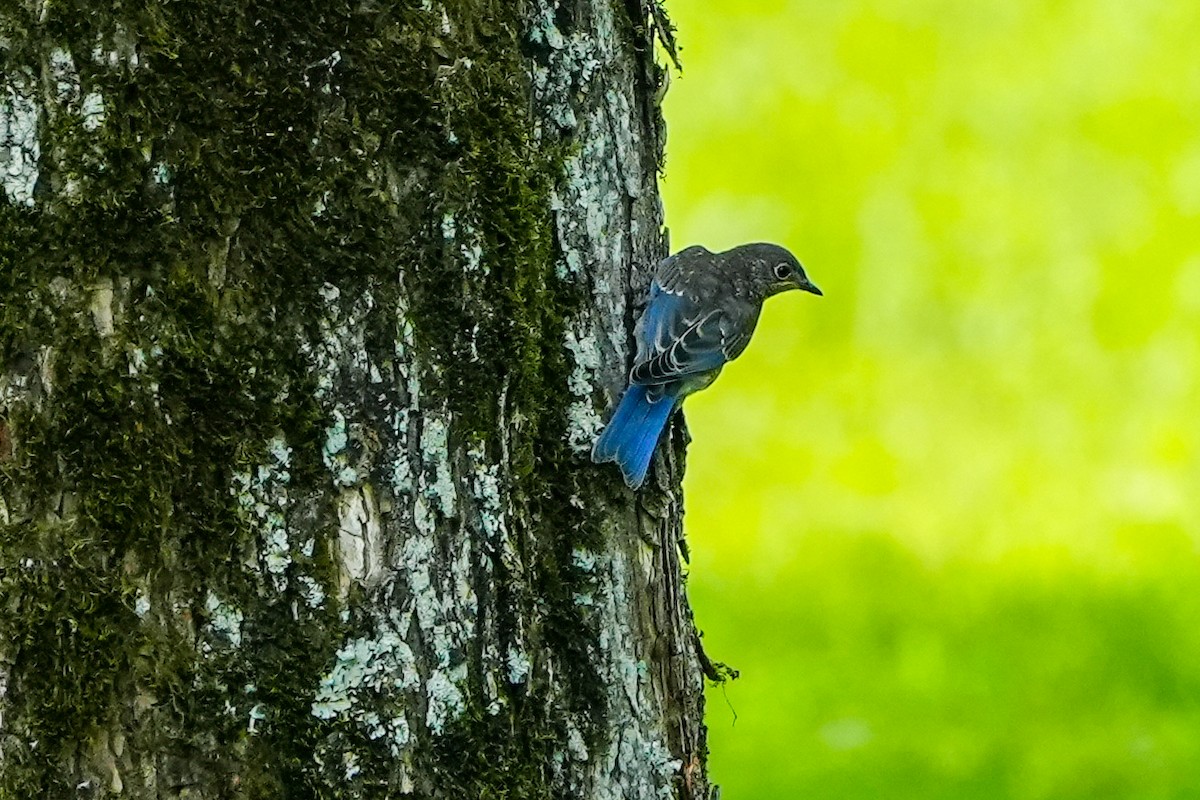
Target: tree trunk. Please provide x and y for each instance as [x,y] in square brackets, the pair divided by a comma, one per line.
[309,314]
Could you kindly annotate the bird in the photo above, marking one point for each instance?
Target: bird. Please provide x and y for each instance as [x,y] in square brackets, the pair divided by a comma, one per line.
[700,313]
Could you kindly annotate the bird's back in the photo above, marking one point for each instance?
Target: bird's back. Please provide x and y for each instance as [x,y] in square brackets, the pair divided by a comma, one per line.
[694,273]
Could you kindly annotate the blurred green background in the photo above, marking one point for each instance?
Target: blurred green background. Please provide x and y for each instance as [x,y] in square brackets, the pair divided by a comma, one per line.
[945,519]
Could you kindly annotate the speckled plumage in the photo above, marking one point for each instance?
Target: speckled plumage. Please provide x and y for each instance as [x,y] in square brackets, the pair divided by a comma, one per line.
[700,314]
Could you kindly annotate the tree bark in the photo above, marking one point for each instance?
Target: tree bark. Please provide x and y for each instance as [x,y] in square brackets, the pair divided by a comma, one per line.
[309,315]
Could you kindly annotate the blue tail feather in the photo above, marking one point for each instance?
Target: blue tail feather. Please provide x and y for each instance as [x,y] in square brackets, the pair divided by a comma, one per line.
[632,433]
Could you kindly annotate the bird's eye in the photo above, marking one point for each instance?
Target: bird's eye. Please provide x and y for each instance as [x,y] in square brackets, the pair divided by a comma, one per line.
[782,271]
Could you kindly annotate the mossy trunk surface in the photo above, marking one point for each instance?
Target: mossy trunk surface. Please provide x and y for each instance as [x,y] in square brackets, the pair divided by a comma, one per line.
[309,314]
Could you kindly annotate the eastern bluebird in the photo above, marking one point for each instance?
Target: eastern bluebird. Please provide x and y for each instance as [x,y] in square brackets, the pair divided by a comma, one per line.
[701,313]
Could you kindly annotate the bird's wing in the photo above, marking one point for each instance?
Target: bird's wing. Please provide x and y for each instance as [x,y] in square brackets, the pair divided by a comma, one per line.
[680,345]
[678,293]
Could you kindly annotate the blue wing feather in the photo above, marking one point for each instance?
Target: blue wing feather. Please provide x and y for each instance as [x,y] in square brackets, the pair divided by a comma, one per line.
[697,345]
[659,322]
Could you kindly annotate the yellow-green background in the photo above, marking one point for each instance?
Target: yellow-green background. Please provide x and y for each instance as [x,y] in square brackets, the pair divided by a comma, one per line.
[945,520]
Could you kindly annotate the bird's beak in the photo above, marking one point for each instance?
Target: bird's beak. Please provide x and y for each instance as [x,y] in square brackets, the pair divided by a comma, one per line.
[809,286]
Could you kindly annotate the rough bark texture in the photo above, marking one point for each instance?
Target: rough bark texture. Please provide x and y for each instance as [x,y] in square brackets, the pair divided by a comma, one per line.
[308,314]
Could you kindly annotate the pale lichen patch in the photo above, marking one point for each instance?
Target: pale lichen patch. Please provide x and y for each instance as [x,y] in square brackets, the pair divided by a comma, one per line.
[444,697]
[20,147]
[486,489]
[370,682]
[584,422]
[335,451]
[92,111]
[262,495]
[435,452]
[117,49]
[431,613]
[141,604]
[518,665]
[444,602]
[257,714]
[224,619]
[576,747]
[162,174]
[65,76]
[313,592]
[583,559]
[408,375]
[339,353]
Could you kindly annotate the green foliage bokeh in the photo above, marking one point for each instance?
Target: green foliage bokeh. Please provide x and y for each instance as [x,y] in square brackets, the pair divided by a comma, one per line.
[945,519]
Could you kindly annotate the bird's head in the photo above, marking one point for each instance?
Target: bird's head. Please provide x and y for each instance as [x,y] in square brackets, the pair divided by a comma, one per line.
[774,269]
